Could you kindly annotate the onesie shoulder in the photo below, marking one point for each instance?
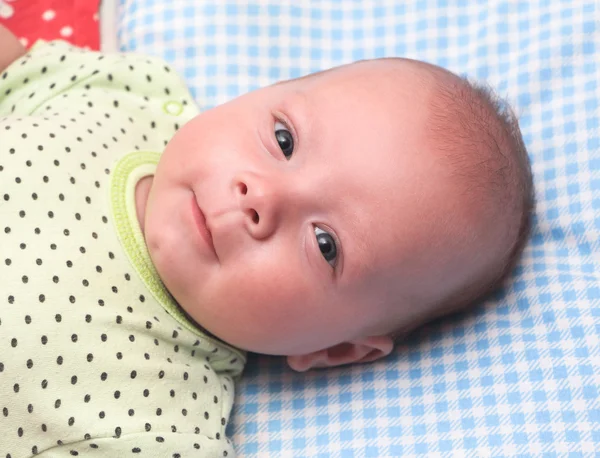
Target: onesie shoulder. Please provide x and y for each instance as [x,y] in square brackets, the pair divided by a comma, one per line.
[56,75]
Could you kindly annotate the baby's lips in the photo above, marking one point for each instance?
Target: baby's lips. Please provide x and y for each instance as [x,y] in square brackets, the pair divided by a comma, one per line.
[202,225]
[228,233]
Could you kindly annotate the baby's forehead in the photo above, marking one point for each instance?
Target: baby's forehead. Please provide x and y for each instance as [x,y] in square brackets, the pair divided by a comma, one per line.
[373,70]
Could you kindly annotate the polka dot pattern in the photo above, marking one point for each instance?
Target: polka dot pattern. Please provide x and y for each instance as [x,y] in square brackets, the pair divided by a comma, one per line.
[91,364]
[74,21]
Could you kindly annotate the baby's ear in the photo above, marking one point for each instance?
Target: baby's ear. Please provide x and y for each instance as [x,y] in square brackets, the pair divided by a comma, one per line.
[361,350]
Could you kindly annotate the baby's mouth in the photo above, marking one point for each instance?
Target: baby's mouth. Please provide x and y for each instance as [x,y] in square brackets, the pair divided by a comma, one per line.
[202,225]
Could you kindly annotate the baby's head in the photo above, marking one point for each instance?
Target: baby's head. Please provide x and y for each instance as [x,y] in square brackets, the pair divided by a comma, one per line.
[343,209]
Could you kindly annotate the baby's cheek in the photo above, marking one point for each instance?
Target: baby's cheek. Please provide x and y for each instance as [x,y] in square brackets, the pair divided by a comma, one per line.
[274,302]
[161,246]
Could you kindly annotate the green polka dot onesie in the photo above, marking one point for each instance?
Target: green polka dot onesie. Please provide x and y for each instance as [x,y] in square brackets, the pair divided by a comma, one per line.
[96,358]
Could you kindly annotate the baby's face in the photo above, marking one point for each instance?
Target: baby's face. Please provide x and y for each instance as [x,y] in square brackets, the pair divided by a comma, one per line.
[321,200]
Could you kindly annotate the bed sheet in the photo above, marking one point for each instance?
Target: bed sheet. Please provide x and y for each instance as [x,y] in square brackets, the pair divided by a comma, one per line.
[520,374]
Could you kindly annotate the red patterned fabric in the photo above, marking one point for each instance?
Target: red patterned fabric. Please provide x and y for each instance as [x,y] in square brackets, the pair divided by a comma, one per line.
[75,21]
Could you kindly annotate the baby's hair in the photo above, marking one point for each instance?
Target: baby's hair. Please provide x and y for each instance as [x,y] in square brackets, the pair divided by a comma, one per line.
[477,134]
[514,172]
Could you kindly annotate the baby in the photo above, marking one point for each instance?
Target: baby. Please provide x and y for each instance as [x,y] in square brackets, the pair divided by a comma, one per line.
[144,247]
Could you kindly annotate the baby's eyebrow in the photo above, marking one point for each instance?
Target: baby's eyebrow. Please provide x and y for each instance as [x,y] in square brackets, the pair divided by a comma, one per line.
[297,96]
[358,256]
[296,106]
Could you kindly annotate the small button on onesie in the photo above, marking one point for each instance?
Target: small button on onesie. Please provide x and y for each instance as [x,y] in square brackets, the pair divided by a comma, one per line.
[173,108]
[96,359]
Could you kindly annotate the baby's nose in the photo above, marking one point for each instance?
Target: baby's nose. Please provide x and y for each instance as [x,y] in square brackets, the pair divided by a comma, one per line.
[262,202]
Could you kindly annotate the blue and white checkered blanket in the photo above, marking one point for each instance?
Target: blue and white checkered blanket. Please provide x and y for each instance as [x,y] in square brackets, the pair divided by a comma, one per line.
[519,375]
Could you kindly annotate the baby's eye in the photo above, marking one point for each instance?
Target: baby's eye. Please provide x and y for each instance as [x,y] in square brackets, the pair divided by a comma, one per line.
[327,246]
[284,139]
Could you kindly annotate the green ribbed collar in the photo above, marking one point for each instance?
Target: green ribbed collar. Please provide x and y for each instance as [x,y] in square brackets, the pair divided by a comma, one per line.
[128,171]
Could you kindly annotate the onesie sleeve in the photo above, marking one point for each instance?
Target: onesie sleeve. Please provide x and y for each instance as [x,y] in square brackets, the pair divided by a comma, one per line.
[147,445]
[56,76]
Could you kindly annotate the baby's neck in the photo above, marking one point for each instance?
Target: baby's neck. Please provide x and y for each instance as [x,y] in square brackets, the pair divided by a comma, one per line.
[142,189]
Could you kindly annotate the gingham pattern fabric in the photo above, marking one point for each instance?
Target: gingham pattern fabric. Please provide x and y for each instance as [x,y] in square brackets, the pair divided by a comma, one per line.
[518,376]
